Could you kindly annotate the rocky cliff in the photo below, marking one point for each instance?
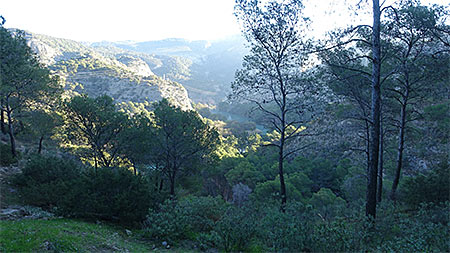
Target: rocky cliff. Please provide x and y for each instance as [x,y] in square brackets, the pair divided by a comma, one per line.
[124,77]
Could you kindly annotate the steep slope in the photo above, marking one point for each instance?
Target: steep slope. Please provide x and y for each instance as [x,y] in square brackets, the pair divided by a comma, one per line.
[205,68]
[125,77]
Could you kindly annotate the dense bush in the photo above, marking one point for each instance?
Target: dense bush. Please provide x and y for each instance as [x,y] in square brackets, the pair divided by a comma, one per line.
[48,182]
[63,186]
[285,232]
[433,186]
[113,194]
[236,230]
[327,203]
[6,157]
[263,227]
[184,219]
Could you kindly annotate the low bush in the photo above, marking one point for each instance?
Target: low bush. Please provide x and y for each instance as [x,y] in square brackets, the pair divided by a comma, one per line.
[114,194]
[286,232]
[433,186]
[6,157]
[184,219]
[48,182]
[64,187]
[236,230]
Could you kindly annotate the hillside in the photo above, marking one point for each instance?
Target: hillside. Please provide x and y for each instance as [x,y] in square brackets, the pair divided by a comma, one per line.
[205,68]
[124,77]
[145,71]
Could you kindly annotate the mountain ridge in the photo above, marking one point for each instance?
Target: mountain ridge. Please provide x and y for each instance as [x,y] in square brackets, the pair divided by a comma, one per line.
[204,68]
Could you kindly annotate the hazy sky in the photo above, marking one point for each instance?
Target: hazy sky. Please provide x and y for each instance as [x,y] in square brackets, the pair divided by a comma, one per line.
[140,20]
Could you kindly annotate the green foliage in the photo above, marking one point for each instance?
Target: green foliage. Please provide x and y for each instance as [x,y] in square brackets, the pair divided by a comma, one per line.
[285,232]
[131,139]
[236,229]
[265,159]
[297,188]
[354,187]
[6,157]
[164,224]
[241,171]
[64,235]
[179,142]
[227,148]
[438,118]
[326,203]
[323,173]
[48,181]
[92,128]
[185,219]
[113,194]
[63,186]
[433,186]
[24,82]
[42,124]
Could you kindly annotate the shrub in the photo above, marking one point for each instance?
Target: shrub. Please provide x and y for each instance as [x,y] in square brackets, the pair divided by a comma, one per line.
[184,219]
[6,157]
[60,184]
[417,231]
[164,223]
[288,231]
[236,230]
[433,186]
[47,182]
[112,194]
[327,203]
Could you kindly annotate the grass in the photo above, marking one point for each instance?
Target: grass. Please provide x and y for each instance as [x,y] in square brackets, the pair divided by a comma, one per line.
[67,235]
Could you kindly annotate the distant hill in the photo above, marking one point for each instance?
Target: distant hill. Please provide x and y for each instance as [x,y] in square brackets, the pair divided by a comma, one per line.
[145,71]
[205,68]
[97,71]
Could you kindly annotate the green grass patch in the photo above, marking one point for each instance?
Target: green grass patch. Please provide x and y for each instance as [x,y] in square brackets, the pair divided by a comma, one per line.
[67,235]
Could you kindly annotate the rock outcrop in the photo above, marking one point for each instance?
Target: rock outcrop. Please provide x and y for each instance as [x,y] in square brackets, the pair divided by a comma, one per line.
[126,78]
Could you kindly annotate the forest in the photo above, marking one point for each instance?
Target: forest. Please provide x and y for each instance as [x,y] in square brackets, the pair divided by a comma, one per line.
[344,146]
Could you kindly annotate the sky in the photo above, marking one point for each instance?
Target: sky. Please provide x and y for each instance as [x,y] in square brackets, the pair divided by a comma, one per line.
[143,20]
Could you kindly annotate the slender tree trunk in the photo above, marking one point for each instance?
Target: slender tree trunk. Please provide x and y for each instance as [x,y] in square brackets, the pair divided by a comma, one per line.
[40,144]
[380,165]
[172,183]
[2,118]
[371,198]
[281,173]
[172,188]
[401,146]
[95,163]
[368,147]
[161,185]
[11,131]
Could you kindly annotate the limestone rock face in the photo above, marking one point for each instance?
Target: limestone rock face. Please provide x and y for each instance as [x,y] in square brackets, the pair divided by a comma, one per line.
[136,65]
[132,88]
[85,70]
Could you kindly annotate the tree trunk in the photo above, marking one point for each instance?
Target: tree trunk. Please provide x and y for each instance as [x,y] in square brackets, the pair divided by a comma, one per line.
[371,198]
[172,188]
[11,131]
[95,163]
[2,118]
[172,183]
[40,144]
[161,185]
[401,146]
[282,183]
[380,165]
[368,147]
